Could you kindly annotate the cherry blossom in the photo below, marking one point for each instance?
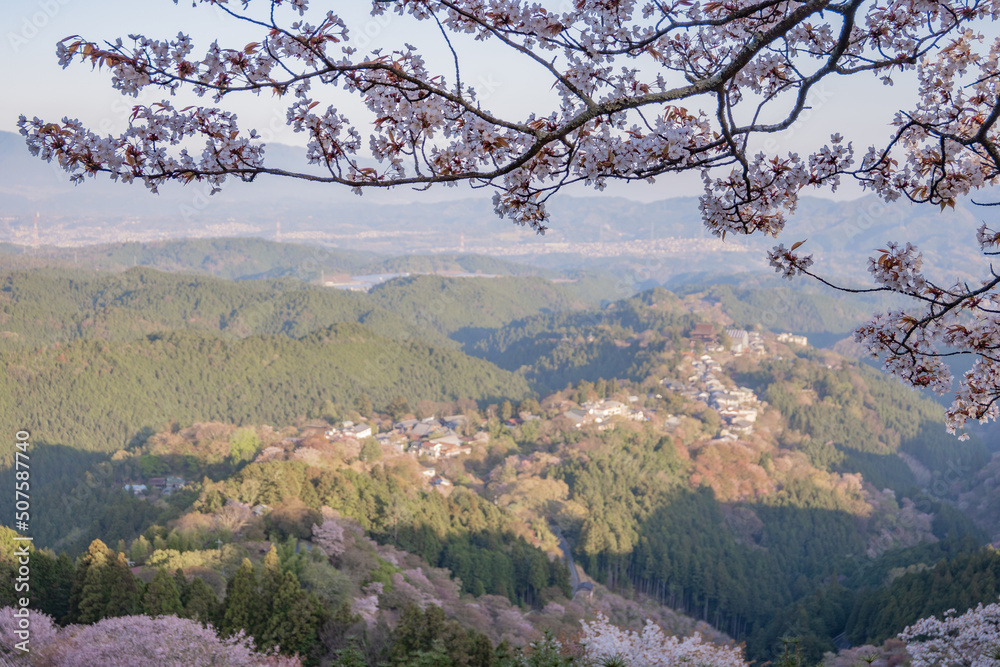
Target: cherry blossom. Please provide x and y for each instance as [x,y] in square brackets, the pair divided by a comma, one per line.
[137,641]
[330,536]
[642,90]
[652,648]
[969,640]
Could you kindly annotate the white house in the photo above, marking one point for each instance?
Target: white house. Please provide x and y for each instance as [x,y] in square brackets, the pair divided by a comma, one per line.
[358,431]
[740,340]
[792,339]
[606,409]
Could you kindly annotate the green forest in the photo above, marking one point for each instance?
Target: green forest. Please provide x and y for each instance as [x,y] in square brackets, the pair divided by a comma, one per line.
[95,395]
[834,522]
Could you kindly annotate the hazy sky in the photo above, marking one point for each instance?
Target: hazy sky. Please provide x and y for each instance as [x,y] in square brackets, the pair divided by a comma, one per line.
[36,86]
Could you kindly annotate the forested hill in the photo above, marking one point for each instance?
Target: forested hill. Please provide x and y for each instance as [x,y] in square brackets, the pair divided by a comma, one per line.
[96,394]
[143,348]
[808,308]
[249,258]
[467,309]
[625,339]
[49,305]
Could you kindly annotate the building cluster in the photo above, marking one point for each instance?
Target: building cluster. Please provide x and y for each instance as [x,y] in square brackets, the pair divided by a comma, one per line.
[436,438]
[745,342]
[431,437]
[792,339]
[741,341]
[164,486]
[738,407]
[349,429]
[601,413]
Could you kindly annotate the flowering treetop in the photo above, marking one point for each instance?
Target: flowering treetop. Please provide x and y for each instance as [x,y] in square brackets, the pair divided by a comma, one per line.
[603,642]
[970,640]
[643,89]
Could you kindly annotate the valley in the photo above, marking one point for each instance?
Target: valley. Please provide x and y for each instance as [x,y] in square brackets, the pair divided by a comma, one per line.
[437,442]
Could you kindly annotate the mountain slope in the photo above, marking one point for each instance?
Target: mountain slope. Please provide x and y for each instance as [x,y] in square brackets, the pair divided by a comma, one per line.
[95,395]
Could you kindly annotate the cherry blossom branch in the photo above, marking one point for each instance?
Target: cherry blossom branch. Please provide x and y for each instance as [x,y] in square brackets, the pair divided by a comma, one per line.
[642,89]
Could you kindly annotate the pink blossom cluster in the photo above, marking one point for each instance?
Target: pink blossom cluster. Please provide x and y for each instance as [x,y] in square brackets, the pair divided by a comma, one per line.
[367,607]
[652,648]
[137,641]
[971,640]
[330,536]
[960,316]
[43,630]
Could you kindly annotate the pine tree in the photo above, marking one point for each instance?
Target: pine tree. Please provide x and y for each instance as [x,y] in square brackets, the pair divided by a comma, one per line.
[294,619]
[161,597]
[271,578]
[201,603]
[88,598]
[417,631]
[182,584]
[124,592]
[53,584]
[243,607]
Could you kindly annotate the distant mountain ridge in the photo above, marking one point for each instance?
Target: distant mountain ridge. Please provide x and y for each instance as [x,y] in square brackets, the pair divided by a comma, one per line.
[840,234]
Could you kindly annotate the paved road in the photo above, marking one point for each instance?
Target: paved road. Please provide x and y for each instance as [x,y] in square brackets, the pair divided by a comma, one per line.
[574,577]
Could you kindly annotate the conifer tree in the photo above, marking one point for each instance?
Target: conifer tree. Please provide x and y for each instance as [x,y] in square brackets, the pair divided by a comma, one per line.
[417,631]
[271,578]
[53,579]
[88,598]
[294,619]
[243,604]
[161,597]
[123,589]
[182,584]
[200,602]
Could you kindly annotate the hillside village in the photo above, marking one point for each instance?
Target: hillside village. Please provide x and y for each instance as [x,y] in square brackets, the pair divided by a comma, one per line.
[700,381]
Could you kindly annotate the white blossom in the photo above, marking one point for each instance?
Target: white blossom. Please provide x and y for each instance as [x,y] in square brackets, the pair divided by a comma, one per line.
[652,648]
[969,640]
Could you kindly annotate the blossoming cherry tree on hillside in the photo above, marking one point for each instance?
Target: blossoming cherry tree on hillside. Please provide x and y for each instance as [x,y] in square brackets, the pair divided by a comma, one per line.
[643,89]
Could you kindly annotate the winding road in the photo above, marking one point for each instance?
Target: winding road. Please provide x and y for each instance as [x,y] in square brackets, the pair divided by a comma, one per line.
[574,576]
